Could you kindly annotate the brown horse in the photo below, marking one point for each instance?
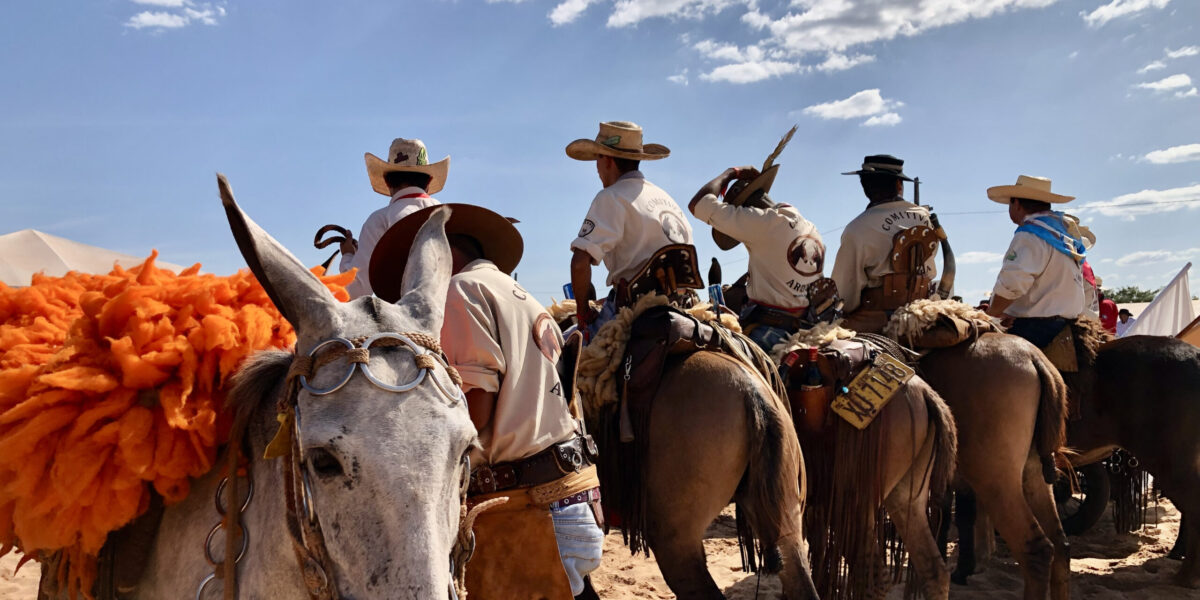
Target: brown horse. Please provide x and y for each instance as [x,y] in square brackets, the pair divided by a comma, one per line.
[717,432]
[1010,406]
[1145,397]
[905,454]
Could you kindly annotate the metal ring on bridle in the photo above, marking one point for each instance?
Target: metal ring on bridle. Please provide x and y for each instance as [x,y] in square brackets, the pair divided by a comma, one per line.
[413,346]
[203,584]
[349,372]
[221,494]
[208,545]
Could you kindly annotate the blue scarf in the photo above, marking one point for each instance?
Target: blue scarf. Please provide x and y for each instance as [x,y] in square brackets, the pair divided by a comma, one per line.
[1052,229]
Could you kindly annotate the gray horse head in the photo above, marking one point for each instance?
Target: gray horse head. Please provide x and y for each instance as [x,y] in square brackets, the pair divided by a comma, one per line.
[385,468]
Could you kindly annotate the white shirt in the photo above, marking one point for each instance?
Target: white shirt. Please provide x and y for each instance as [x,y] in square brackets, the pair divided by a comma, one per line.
[1123,327]
[627,223]
[502,340]
[1041,281]
[404,202]
[786,251]
[865,254]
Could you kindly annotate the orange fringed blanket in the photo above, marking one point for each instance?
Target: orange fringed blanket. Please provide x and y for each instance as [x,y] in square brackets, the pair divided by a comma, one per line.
[110,384]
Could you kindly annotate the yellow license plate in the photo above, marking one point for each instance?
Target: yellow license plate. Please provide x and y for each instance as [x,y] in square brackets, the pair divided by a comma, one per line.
[871,390]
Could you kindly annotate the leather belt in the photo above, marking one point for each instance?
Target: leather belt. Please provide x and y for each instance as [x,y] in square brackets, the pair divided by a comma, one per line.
[761,315]
[584,497]
[550,464]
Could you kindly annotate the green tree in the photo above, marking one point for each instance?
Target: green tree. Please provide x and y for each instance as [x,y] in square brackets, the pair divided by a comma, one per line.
[1130,293]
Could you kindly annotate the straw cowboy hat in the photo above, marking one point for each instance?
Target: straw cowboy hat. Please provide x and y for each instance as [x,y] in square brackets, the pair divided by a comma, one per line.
[740,193]
[500,241]
[1029,188]
[619,139]
[882,164]
[406,156]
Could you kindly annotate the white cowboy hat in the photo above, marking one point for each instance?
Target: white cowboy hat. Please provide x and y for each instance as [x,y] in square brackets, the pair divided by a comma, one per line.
[408,156]
[1028,187]
[620,139]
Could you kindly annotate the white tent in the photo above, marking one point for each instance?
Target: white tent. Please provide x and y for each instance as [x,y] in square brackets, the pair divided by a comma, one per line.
[1171,310]
[25,252]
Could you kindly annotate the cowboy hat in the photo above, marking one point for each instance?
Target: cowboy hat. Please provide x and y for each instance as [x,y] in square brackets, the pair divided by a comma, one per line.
[406,156]
[882,164]
[1029,188]
[756,189]
[619,139]
[500,241]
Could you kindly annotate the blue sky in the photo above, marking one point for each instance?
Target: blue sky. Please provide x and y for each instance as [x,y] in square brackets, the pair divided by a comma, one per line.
[116,114]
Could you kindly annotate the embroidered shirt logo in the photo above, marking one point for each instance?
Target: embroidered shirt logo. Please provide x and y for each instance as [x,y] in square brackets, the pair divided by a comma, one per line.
[588,227]
[544,338]
[422,157]
[673,228]
[806,256]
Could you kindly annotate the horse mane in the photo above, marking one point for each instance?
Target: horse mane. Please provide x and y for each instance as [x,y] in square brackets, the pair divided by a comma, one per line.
[255,383]
[1090,335]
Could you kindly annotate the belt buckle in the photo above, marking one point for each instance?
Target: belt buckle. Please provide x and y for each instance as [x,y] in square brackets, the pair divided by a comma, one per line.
[484,480]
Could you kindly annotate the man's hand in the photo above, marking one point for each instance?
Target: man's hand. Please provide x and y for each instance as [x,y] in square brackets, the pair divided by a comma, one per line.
[349,245]
[717,186]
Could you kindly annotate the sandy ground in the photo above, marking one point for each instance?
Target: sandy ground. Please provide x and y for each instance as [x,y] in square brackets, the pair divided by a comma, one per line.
[1106,566]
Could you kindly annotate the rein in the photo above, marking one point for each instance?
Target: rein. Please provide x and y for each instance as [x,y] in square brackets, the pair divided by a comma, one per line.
[303,526]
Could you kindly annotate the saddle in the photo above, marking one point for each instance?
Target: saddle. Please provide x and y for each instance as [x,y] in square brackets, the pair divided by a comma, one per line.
[931,324]
[672,269]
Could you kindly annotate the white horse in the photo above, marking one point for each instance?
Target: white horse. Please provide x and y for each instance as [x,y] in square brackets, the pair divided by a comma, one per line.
[377,480]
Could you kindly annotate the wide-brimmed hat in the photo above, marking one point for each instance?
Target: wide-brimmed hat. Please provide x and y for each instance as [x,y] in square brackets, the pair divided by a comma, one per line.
[406,156]
[882,164]
[1029,188]
[500,241]
[620,139]
[740,196]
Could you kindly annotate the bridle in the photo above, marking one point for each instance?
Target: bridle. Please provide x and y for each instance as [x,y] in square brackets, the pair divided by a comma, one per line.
[303,525]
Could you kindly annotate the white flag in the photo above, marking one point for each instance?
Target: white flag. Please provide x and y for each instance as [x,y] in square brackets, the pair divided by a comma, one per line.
[1170,311]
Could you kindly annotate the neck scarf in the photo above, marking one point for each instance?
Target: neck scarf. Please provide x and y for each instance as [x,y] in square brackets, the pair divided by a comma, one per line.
[1051,227]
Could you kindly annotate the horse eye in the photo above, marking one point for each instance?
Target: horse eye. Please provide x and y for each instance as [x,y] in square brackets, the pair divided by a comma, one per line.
[324,463]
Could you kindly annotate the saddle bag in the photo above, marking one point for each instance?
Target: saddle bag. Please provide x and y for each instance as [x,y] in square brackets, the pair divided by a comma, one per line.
[838,363]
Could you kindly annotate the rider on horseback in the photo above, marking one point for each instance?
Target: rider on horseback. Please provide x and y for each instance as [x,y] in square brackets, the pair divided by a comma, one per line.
[532,446]
[629,220]
[1040,288]
[409,179]
[786,252]
[865,270]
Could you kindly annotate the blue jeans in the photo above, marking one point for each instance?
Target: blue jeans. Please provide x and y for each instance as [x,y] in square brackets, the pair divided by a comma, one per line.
[580,542]
[768,337]
[1039,331]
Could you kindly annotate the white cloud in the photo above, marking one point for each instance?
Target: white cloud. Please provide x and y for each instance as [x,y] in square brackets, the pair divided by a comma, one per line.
[1168,83]
[750,72]
[1184,52]
[162,20]
[681,78]
[884,120]
[1174,154]
[840,62]
[1154,66]
[1147,202]
[1146,257]
[632,12]
[867,103]
[727,52]
[1192,93]
[188,12]
[1119,8]
[568,11]
[977,257]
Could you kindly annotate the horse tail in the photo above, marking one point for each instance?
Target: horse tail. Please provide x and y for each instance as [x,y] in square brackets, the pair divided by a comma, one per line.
[945,443]
[1050,431]
[772,485]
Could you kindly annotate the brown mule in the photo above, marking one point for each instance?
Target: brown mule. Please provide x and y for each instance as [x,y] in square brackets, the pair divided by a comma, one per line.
[718,432]
[1010,406]
[912,458]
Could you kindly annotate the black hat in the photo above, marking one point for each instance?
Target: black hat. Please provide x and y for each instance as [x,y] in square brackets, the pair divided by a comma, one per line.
[882,164]
[1124,311]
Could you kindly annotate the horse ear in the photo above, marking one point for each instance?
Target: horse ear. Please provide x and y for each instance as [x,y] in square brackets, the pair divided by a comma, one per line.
[427,274]
[297,293]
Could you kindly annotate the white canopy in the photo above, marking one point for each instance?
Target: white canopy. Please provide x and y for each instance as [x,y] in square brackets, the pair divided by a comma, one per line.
[25,252]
